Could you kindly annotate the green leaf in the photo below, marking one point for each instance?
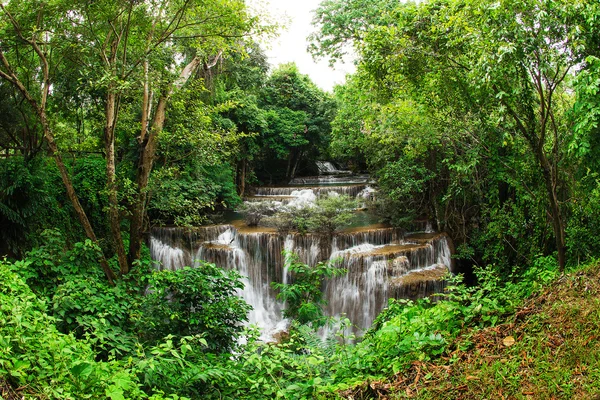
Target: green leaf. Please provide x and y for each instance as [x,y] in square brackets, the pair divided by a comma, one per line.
[82,370]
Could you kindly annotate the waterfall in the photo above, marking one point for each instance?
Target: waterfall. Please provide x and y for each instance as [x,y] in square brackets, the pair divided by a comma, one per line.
[330,180]
[165,256]
[381,263]
[319,191]
[326,167]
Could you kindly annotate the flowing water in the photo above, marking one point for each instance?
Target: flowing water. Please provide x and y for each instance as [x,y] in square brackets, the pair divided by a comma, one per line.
[381,262]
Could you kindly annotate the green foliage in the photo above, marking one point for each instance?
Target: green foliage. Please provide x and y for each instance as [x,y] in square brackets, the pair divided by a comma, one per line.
[184,364]
[331,213]
[278,371]
[405,186]
[194,301]
[52,364]
[304,297]
[297,116]
[195,310]
[54,262]
[581,243]
[325,215]
[89,180]
[185,196]
[88,307]
[255,211]
[344,23]
[31,199]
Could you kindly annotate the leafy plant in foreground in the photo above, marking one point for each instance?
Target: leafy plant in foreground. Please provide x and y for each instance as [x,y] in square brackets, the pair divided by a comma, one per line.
[304,296]
[194,301]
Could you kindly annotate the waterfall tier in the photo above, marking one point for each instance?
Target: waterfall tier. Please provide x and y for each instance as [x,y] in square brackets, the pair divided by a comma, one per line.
[330,180]
[319,191]
[380,263]
[327,168]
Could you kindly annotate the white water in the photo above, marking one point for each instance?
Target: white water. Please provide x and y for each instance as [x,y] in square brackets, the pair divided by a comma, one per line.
[374,258]
[360,294]
[326,167]
[302,198]
[168,257]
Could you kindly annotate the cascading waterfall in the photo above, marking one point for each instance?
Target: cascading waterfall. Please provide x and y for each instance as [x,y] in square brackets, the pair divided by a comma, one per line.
[295,191]
[374,259]
[381,262]
[330,180]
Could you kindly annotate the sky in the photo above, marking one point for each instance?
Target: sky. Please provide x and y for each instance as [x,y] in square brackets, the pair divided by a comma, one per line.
[291,44]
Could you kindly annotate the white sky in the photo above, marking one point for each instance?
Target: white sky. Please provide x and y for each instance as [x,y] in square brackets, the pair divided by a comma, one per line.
[291,44]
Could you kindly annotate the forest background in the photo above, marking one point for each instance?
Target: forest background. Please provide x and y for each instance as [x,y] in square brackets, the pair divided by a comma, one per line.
[117,116]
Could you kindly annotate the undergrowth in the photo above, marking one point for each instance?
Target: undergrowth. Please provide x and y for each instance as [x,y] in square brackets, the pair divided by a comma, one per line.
[547,348]
[407,335]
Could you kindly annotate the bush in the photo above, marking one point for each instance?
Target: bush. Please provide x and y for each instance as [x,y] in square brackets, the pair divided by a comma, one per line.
[255,211]
[90,308]
[290,219]
[54,262]
[332,213]
[325,216]
[303,297]
[52,365]
[194,301]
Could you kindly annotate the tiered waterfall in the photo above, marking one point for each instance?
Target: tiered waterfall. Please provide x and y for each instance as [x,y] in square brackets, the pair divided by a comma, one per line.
[381,262]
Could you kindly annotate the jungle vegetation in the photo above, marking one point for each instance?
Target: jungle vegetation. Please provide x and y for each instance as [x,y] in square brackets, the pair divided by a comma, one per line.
[116,116]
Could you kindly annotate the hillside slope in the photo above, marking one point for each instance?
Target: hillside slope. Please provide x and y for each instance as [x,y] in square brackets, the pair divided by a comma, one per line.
[549,349]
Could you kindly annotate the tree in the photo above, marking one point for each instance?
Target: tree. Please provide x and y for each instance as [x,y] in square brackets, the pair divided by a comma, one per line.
[342,24]
[126,55]
[496,72]
[298,116]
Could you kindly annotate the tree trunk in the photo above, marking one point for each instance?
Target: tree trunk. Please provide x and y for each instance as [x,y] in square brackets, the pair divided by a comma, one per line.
[81,215]
[111,182]
[296,165]
[558,224]
[145,162]
[147,145]
[242,178]
[289,165]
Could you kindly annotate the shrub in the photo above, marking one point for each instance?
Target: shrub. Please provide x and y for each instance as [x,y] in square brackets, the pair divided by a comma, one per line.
[325,216]
[255,211]
[54,262]
[304,297]
[90,308]
[332,213]
[194,301]
[52,365]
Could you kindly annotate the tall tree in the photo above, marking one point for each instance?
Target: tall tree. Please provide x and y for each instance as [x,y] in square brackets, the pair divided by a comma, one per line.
[34,35]
[496,73]
[298,118]
[124,53]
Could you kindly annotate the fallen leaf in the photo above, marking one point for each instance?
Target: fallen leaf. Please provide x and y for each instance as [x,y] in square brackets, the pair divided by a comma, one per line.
[508,341]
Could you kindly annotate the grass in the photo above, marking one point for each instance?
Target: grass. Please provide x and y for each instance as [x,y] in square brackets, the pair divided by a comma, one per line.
[549,349]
